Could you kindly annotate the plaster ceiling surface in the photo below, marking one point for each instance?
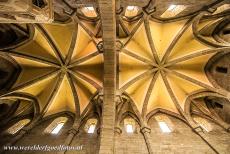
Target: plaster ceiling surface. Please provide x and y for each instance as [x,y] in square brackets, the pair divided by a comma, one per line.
[61,68]
[162,63]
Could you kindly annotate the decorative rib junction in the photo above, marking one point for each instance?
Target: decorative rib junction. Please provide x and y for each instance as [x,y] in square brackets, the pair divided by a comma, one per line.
[61,68]
[161,64]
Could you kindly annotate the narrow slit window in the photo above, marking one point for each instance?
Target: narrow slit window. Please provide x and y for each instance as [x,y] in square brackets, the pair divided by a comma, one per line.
[89,11]
[129,128]
[39,3]
[204,124]
[221,69]
[218,105]
[131,11]
[56,125]
[226,31]
[129,125]
[204,127]
[222,8]
[164,123]
[164,127]
[57,129]
[91,128]
[173,10]
[18,126]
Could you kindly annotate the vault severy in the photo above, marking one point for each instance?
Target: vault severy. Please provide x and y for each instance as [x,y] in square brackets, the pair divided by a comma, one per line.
[161,64]
[61,68]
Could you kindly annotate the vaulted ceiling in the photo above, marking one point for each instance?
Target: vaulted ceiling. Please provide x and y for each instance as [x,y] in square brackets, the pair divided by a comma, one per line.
[60,66]
[161,61]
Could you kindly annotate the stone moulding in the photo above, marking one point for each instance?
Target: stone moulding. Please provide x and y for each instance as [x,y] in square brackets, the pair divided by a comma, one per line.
[24,11]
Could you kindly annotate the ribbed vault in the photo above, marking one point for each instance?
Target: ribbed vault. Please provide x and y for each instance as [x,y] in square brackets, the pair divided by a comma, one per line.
[162,63]
[110,60]
[61,68]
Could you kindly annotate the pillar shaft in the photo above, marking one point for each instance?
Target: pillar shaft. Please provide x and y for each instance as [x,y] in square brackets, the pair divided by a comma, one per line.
[107,10]
[200,133]
[146,133]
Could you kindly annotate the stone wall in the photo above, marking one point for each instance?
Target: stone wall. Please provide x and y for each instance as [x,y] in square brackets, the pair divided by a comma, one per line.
[218,138]
[218,68]
[182,140]
[130,143]
[37,136]
[90,142]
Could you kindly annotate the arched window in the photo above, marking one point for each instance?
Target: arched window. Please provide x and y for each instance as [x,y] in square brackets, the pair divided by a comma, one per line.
[165,123]
[39,3]
[217,69]
[18,126]
[173,10]
[129,124]
[90,126]
[203,123]
[221,69]
[56,125]
[89,11]
[222,8]
[131,11]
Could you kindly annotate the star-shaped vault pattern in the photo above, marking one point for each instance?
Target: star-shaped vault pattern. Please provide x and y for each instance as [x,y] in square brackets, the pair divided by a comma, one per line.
[162,63]
[60,66]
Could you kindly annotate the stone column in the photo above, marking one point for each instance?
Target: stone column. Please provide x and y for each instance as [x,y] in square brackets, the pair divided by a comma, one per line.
[117,133]
[71,134]
[146,133]
[107,11]
[117,130]
[199,131]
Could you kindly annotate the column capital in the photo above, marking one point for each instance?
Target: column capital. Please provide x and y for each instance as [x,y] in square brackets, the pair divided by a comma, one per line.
[118,130]
[73,131]
[119,45]
[145,130]
[197,129]
[100,47]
